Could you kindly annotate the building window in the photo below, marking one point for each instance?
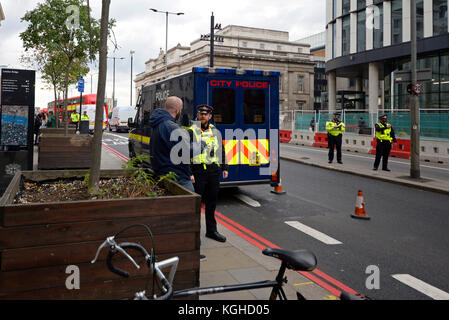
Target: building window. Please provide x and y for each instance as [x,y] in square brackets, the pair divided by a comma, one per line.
[420,19]
[299,105]
[439,17]
[346,6]
[300,84]
[396,21]
[346,35]
[361,31]
[262,46]
[361,4]
[299,50]
[334,40]
[279,48]
[334,9]
[379,32]
[244,44]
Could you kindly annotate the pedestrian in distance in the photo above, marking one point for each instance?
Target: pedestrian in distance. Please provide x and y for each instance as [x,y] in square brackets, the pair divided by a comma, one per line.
[335,129]
[385,136]
[37,127]
[207,159]
[51,123]
[312,125]
[163,122]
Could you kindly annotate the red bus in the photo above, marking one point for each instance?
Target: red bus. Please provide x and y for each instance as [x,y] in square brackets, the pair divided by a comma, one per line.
[74,103]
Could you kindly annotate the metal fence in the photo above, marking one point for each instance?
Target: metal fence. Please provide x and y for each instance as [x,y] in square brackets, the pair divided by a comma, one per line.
[434,122]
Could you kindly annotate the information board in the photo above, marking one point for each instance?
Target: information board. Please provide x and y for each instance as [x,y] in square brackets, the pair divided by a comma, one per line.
[18,87]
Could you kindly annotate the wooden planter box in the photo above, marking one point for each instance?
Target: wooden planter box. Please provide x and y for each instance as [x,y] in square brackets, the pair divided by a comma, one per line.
[39,241]
[59,131]
[57,151]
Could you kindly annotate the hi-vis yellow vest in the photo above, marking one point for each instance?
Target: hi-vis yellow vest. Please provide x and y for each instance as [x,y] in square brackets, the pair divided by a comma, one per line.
[84,118]
[75,117]
[335,132]
[387,132]
[211,142]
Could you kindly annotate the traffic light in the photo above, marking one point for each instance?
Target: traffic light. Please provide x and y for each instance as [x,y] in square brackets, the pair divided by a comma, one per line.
[410,89]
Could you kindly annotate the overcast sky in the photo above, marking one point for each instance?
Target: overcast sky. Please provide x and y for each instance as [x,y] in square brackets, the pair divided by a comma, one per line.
[143,31]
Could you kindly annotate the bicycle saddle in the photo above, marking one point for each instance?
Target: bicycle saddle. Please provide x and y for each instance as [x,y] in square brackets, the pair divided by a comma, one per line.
[298,260]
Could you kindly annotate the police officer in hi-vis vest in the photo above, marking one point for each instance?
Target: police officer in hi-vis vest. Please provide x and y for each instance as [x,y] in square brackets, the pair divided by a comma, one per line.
[75,117]
[206,165]
[335,129]
[385,135]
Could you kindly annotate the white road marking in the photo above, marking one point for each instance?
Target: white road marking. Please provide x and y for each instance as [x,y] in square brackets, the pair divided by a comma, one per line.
[116,135]
[248,200]
[422,287]
[362,157]
[313,233]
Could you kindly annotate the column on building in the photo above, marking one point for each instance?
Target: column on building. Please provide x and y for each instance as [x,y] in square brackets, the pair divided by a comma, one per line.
[332,89]
[373,89]
[358,88]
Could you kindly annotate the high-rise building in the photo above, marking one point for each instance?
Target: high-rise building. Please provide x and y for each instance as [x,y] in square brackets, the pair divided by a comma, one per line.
[369,41]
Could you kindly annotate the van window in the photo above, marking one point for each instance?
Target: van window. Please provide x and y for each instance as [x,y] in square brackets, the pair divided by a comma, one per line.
[254,106]
[223,101]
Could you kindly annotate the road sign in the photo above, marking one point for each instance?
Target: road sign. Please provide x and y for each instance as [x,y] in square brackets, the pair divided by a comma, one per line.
[80,85]
[417,88]
[406,76]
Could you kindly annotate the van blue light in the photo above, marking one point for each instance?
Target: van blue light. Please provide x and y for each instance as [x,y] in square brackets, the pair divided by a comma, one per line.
[201,70]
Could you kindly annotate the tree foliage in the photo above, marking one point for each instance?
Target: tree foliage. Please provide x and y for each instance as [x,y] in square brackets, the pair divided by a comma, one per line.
[61,29]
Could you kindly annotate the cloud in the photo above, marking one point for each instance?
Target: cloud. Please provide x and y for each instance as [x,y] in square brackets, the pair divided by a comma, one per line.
[143,31]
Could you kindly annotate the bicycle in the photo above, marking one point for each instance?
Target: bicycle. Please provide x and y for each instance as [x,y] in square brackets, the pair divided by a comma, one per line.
[298,260]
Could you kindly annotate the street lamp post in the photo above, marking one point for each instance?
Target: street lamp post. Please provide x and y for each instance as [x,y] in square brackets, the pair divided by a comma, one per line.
[166,33]
[113,80]
[131,91]
[415,171]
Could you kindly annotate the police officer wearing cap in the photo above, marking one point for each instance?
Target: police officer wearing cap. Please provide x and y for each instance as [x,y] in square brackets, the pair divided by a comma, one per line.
[206,164]
[385,135]
[335,129]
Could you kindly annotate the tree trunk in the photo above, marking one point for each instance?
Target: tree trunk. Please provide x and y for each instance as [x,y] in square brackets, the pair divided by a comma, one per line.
[94,173]
[66,97]
[56,111]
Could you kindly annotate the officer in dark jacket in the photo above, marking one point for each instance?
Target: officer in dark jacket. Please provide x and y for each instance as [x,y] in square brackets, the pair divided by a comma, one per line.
[207,159]
[163,123]
[385,135]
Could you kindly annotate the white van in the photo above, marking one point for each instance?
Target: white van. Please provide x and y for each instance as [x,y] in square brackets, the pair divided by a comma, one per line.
[120,116]
[91,110]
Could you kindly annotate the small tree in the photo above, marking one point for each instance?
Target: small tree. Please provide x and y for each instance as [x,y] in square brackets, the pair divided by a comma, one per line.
[51,66]
[94,173]
[63,27]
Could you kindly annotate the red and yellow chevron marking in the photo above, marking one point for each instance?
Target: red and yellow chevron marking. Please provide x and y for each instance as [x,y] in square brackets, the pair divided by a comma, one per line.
[232,152]
[247,152]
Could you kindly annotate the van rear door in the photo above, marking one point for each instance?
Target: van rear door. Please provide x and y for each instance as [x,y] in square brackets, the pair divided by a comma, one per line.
[242,114]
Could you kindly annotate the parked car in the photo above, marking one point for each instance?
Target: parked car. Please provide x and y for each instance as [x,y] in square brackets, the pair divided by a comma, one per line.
[120,116]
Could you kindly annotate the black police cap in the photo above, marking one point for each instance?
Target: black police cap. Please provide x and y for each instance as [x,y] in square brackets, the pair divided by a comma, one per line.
[205,109]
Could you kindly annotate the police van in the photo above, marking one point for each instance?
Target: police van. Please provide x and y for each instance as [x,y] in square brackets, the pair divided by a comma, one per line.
[246,112]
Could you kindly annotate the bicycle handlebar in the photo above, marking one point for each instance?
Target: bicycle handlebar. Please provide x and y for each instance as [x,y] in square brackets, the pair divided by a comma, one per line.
[114,248]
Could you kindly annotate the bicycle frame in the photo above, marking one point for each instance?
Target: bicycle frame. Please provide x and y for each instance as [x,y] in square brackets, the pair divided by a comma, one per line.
[276,285]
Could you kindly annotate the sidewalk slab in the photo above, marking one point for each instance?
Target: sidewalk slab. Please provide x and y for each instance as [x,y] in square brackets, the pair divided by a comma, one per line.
[432,185]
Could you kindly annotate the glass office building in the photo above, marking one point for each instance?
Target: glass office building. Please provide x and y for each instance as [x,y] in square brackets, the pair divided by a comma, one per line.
[369,40]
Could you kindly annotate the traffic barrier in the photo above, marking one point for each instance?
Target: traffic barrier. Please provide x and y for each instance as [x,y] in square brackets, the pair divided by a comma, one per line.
[285,136]
[360,211]
[401,149]
[321,140]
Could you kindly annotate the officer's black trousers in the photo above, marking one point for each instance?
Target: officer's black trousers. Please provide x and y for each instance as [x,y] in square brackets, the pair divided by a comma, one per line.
[207,185]
[382,151]
[332,143]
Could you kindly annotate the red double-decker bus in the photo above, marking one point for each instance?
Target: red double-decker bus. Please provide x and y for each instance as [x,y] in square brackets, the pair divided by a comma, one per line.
[73,105]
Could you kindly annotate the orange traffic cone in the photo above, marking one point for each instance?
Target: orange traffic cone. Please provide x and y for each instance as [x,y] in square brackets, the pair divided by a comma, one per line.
[360,212]
[278,189]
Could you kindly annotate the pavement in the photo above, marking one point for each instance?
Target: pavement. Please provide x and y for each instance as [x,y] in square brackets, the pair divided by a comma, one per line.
[319,159]
[240,261]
